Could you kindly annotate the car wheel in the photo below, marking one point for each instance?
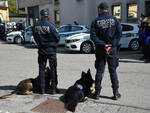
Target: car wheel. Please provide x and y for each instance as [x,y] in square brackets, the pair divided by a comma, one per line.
[86,47]
[134,45]
[18,40]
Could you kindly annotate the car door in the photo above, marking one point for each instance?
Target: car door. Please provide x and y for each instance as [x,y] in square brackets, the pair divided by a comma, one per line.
[127,34]
[28,34]
[63,33]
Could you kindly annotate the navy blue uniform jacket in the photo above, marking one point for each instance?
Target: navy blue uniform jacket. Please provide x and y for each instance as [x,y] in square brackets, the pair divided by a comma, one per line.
[106,29]
[45,34]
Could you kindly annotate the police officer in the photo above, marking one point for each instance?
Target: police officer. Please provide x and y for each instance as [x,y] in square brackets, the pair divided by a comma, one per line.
[2,31]
[46,37]
[105,33]
[142,36]
[147,39]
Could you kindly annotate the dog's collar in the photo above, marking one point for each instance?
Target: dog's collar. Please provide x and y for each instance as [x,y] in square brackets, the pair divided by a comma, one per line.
[79,86]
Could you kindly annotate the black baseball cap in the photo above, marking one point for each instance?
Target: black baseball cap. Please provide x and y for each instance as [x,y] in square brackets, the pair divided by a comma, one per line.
[103,5]
[143,15]
[44,12]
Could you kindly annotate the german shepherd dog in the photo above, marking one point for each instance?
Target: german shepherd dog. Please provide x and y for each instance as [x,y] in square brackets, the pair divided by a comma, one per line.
[79,92]
[29,86]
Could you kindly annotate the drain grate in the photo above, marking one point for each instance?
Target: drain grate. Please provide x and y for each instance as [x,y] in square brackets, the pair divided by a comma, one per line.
[50,106]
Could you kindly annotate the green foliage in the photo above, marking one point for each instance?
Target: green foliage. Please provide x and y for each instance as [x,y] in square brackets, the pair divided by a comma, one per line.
[12,6]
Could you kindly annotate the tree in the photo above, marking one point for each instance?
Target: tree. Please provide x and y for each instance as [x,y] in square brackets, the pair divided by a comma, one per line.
[12,6]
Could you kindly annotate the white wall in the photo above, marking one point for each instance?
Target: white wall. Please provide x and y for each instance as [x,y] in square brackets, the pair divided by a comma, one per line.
[71,11]
[82,11]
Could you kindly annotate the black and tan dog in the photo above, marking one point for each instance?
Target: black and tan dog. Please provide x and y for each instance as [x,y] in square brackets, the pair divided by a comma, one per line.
[29,86]
[79,92]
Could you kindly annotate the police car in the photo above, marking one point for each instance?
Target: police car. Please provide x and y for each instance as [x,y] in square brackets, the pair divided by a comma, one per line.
[69,30]
[66,31]
[82,42]
[18,38]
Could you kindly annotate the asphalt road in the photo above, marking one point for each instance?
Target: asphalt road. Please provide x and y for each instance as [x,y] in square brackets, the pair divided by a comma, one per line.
[20,62]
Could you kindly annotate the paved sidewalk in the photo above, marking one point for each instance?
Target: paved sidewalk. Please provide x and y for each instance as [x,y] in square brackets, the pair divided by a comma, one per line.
[20,62]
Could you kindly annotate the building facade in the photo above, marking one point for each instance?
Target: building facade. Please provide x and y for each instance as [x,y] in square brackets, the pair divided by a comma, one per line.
[4,12]
[83,11]
[128,10]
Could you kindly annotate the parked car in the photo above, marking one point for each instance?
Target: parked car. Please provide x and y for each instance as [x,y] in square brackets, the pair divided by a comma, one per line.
[19,37]
[130,36]
[15,37]
[82,42]
[69,30]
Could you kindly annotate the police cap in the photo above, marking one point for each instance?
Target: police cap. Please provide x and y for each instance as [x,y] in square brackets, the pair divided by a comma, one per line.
[44,12]
[143,15]
[103,5]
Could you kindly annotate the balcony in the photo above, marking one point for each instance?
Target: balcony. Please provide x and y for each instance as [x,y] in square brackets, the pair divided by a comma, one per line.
[3,4]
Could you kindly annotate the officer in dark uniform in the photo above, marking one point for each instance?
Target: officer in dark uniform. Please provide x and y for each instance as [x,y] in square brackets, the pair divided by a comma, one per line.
[106,33]
[46,37]
[2,32]
[142,36]
[147,39]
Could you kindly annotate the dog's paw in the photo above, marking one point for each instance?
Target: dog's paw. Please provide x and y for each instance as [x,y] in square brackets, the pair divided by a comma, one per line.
[85,98]
[93,90]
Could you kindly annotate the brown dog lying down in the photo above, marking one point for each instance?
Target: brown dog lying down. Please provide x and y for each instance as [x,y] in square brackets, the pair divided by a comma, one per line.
[29,86]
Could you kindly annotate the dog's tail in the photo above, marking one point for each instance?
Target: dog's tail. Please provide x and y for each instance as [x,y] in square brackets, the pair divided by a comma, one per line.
[8,95]
[71,106]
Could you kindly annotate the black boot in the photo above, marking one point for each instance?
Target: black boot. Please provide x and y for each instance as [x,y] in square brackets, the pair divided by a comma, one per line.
[96,95]
[147,60]
[42,91]
[142,58]
[117,95]
[52,90]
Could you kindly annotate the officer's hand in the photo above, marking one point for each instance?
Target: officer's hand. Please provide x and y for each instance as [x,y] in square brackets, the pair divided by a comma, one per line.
[107,45]
[108,50]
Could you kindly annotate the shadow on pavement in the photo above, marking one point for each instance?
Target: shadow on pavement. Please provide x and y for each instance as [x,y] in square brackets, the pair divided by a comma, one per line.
[106,97]
[130,61]
[62,91]
[10,87]
[30,46]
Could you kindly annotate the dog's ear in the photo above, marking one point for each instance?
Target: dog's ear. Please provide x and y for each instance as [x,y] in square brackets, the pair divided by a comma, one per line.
[83,74]
[89,71]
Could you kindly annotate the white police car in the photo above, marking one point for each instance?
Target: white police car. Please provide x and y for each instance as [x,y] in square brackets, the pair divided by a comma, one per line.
[69,30]
[82,42]
[18,38]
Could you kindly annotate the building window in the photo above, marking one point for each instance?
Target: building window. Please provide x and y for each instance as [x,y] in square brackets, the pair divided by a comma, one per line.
[56,2]
[116,11]
[147,7]
[132,10]
[57,16]
[33,14]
